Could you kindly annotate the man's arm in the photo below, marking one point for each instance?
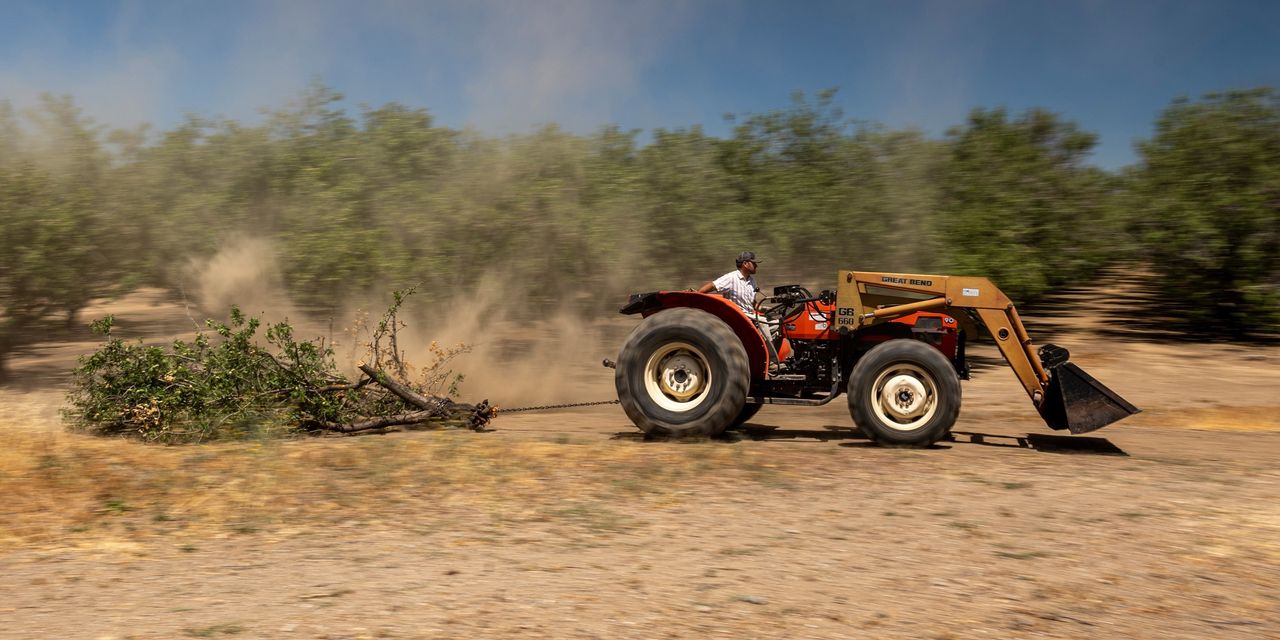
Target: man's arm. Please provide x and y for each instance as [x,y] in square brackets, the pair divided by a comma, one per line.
[707,288]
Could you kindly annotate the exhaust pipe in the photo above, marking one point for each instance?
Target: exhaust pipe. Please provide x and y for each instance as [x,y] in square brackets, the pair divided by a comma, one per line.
[1074,400]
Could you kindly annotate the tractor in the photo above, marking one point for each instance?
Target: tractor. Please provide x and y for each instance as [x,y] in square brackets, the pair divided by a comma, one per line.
[892,343]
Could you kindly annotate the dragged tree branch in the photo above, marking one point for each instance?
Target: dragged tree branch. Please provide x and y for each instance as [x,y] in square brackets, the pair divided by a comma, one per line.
[345,387]
[380,422]
[402,390]
[211,388]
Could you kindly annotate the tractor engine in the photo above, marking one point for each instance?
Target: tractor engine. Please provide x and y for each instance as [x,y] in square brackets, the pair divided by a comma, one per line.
[814,359]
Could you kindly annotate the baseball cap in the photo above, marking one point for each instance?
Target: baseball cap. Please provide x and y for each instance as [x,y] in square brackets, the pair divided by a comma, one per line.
[747,256]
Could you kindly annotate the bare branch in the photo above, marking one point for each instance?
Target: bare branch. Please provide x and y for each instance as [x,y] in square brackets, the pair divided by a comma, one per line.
[380,422]
[345,387]
[403,391]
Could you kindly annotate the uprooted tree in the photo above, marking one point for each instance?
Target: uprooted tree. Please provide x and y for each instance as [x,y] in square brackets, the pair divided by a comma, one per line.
[233,384]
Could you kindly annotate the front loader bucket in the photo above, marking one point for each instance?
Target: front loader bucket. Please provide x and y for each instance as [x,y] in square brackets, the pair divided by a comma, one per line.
[1076,402]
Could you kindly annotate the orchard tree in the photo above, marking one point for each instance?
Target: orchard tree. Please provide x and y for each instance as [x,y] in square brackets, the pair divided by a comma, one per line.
[1210,188]
[55,257]
[1020,206]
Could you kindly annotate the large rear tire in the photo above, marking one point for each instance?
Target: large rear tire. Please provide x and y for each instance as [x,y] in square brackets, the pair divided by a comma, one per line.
[904,392]
[682,373]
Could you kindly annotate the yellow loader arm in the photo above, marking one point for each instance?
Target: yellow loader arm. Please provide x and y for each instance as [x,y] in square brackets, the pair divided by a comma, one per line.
[1065,396]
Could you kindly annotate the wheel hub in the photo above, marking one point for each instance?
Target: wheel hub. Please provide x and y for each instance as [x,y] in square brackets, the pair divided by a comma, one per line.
[681,376]
[677,377]
[904,397]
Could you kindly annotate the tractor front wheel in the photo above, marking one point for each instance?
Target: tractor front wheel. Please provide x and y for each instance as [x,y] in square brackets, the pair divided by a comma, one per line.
[682,373]
[904,392]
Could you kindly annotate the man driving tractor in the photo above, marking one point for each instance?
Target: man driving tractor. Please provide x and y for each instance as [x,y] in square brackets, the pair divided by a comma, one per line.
[739,287]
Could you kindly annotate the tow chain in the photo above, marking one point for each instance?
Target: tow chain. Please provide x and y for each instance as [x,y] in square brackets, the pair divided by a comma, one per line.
[545,407]
[490,412]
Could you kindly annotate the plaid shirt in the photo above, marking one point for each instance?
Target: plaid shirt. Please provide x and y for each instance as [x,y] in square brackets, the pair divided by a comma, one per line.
[738,288]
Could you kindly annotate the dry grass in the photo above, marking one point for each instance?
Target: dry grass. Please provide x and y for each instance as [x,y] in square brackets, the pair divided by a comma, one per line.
[70,490]
[1231,418]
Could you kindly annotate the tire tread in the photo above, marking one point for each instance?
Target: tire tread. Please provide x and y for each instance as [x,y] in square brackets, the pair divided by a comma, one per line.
[916,352]
[698,326]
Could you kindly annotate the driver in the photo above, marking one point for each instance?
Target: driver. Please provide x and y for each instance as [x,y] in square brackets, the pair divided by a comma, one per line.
[739,286]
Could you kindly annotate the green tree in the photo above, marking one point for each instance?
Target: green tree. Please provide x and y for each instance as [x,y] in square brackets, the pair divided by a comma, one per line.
[1020,206]
[9,133]
[822,192]
[792,173]
[55,256]
[692,211]
[1210,186]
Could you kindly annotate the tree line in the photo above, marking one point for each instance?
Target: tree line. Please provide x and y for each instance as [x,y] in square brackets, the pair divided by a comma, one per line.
[385,197]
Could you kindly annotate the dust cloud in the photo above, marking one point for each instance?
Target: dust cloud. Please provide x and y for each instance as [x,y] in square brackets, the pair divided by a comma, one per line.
[551,360]
[243,272]
[511,361]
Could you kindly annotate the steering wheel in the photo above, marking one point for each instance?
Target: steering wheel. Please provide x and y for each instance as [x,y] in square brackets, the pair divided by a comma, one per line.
[788,308]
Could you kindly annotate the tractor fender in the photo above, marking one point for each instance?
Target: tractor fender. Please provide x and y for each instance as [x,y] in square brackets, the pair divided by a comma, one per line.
[648,304]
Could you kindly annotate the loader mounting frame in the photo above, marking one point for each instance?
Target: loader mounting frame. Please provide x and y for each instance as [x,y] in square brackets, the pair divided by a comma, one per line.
[1065,396]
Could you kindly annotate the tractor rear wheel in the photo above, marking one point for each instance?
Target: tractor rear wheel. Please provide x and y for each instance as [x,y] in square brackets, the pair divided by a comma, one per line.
[904,392]
[682,373]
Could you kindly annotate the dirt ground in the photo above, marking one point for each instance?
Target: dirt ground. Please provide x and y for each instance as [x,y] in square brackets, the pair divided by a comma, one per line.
[566,524]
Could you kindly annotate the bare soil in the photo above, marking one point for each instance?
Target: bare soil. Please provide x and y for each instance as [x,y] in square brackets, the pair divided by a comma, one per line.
[567,524]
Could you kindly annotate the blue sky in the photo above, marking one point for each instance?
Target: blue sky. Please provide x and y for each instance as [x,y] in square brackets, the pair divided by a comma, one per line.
[508,66]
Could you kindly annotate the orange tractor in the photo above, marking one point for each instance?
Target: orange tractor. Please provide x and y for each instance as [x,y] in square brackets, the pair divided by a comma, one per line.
[893,344]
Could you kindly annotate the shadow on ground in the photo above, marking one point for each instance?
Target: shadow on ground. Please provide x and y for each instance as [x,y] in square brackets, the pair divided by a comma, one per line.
[760,432]
[851,437]
[1041,442]
[754,431]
